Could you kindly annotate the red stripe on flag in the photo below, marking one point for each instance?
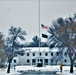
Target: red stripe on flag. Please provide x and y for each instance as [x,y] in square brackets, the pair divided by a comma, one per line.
[43,26]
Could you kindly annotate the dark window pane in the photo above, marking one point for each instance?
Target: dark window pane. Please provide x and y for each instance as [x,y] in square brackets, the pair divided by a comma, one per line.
[51,54]
[65,60]
[33,60]
[33,54]
[51,60]
[14,61]
[57,53]
[46,54]
[46,61]
[27,54]
[40,54]
[22,54]
[65,54]
[28,61]
[38,59]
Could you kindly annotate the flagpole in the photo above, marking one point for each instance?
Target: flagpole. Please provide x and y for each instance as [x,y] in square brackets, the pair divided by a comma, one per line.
[39,30]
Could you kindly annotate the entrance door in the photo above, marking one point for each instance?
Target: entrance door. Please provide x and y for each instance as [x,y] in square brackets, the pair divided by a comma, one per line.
[40,63]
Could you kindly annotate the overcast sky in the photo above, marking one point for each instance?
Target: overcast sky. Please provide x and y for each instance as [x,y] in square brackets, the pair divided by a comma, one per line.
[24,14]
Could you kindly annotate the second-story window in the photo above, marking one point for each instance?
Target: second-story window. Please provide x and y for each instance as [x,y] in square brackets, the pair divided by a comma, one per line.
[40,54]
[14,60]
[28,61]
[46,54]
[33,54]
[51,54]
[22,54]
[27,54]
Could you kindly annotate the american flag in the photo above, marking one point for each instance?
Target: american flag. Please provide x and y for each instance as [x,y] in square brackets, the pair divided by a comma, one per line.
[43,26]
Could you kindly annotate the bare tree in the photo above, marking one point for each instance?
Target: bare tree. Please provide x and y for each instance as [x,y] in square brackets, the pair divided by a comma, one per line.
[12,44]
[63,35]
[2,55]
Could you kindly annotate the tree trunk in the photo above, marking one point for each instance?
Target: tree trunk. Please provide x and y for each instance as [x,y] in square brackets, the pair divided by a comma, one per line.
[71,67]
[8,70]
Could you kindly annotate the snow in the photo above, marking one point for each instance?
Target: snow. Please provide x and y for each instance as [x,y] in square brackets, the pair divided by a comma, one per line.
[36,49]
[65,71]
[12,72]
[53,68]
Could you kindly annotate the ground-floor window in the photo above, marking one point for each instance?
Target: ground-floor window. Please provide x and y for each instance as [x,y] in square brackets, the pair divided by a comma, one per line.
[33,61]
[65,60]
[28,61]
[45,61]
[51,61]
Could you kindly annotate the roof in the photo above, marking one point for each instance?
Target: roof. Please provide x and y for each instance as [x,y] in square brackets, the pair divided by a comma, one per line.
[42,49]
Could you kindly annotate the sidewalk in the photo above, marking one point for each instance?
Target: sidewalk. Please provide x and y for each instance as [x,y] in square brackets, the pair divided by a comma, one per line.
[65,73]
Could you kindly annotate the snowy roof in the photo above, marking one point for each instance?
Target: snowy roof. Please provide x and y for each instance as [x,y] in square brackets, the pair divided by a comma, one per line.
[37,49]
[54,50]
[42,49]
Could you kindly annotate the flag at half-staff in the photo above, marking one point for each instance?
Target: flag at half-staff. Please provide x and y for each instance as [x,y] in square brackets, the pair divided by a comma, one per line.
[43,26]
[44,35]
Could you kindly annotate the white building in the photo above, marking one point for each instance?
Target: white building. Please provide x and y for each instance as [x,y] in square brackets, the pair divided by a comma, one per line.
[47,57]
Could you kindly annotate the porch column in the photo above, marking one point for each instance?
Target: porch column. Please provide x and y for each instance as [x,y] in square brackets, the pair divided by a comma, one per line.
[31,62]
[43,62]
[36,62]
[48,61]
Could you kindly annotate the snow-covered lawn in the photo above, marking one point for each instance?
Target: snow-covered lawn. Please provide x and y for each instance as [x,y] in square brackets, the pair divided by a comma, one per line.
[66,69]
[32,68]
[12,72]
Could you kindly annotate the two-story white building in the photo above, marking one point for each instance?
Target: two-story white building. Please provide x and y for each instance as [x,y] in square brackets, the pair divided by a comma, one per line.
[47,56]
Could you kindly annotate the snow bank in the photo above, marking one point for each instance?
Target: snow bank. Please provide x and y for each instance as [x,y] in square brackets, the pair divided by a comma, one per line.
[54,69]
[29,68]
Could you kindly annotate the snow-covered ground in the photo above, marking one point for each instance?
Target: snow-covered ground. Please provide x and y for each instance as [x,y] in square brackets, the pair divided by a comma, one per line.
[12,72]
[29,68]
[32,68]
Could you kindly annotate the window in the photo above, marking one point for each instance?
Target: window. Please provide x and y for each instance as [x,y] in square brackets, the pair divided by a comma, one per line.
[27,54]
[22,54]
[57,53]
[38,60]
[65,60]
[46,54]
[46,61]
[33,61]
[65,53]
[33,54]
[28,61]
[14,60]
[51,54]
[52,60]
[40,54]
